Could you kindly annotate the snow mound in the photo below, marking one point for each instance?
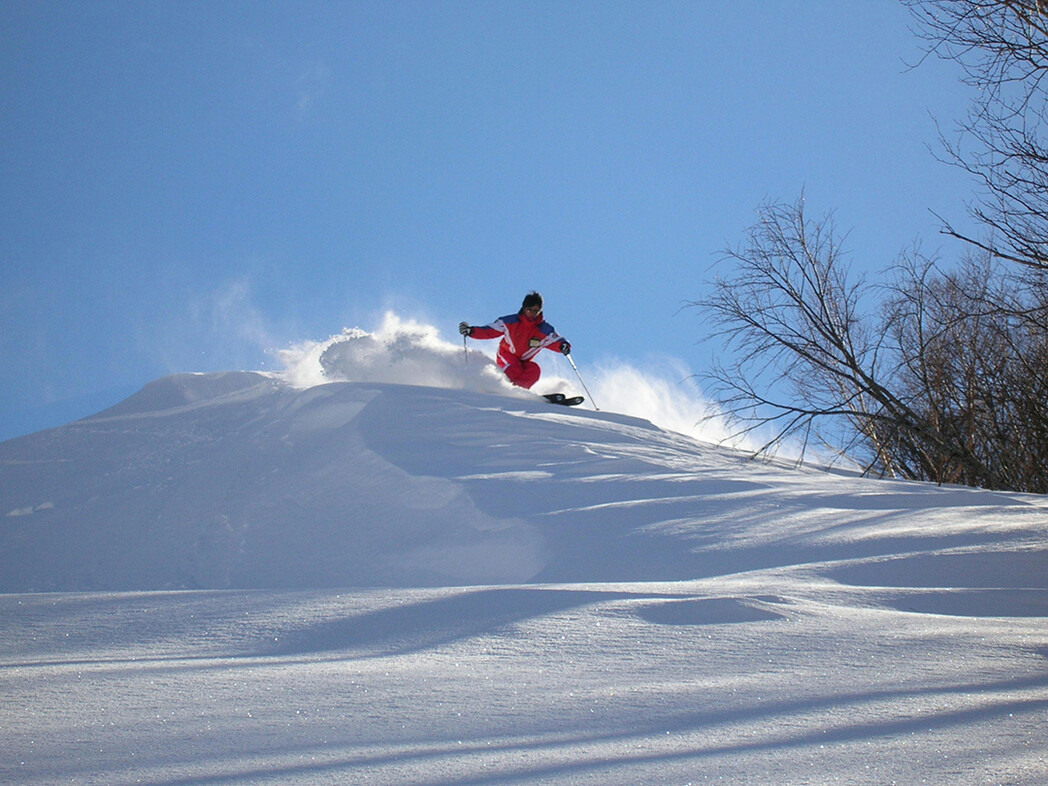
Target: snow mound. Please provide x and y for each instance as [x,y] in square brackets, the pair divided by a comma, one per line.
[185,390]
[245,481]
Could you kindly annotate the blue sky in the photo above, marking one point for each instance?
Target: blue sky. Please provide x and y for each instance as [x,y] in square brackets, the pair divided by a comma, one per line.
[186,186]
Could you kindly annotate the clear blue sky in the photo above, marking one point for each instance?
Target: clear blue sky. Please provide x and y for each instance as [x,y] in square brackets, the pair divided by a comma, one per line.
[186,185]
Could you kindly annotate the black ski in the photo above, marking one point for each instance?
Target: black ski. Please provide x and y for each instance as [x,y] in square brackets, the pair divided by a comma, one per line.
[560,398]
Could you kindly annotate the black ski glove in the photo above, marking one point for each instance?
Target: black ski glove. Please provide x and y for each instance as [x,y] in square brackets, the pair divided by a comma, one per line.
[565,347]
[465,329]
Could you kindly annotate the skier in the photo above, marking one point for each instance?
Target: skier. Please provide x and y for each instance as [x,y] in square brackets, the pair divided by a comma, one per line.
[523,334]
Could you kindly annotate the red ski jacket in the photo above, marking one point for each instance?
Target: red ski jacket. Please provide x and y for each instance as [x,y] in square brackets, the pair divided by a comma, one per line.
[522,338]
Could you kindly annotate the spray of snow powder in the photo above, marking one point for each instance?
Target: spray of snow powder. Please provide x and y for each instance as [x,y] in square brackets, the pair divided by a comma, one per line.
[408,352]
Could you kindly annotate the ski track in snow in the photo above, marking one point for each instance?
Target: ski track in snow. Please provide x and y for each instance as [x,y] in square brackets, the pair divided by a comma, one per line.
[229,579]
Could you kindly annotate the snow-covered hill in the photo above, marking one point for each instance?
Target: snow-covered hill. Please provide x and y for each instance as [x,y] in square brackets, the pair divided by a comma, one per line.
[240,480]
[460,583]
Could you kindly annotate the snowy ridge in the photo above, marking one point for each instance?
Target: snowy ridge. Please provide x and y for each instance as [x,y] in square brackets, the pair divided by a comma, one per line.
[435,585]
[243,481]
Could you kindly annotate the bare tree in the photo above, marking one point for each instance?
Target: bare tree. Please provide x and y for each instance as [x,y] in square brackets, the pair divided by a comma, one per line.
[964,364]
[804,358]
[948,381]
[1002,48]
[937,386]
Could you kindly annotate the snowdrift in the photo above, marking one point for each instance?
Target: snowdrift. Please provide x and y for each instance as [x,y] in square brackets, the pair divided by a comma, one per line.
[242,480]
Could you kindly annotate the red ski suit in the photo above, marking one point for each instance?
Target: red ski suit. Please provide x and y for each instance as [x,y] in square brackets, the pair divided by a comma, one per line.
[522,338]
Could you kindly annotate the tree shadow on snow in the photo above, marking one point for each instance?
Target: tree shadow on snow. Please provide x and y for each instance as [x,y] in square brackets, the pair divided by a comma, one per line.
[413,627]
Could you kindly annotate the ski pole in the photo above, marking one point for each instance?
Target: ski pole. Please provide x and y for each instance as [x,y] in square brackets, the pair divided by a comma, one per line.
[465,350]
[577,374]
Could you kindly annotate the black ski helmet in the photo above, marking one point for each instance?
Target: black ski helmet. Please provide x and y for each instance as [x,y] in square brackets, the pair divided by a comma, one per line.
[532,299]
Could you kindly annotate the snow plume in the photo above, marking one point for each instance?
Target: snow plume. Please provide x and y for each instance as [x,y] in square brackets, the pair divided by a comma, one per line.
[400,351]
[404,351]
[665,394]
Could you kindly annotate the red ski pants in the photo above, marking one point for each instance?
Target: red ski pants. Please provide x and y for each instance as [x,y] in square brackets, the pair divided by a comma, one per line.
[522,373]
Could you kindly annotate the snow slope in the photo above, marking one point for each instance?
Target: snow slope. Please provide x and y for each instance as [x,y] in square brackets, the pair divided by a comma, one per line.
[248,578]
